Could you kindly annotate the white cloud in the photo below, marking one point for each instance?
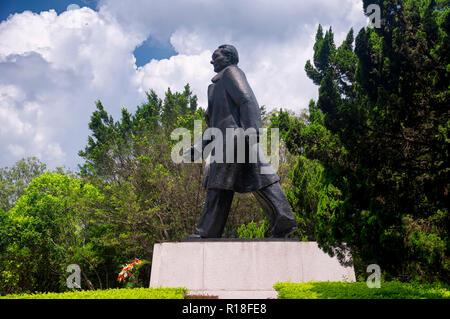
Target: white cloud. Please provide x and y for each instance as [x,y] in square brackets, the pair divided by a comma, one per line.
[53,67]
[16,150]
[176,72]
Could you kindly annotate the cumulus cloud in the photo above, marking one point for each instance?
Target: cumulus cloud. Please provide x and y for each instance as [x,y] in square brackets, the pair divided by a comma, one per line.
[52,70]
[53,67]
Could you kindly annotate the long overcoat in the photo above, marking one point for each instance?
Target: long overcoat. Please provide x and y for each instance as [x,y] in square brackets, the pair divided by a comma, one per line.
[232,104]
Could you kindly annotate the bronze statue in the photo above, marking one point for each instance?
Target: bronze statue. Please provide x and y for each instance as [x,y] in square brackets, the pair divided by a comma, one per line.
[232,104]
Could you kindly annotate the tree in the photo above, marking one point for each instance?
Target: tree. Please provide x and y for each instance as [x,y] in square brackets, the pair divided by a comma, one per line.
[45,232]
[14,180]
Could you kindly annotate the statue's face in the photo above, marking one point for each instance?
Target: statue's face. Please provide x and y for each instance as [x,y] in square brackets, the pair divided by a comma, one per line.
[219,61]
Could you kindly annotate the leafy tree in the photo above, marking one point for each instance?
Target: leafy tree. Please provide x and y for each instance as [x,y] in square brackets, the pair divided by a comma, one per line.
[44,233]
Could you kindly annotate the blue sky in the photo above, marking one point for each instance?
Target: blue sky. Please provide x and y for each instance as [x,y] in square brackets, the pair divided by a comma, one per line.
[54,64]
[8,7]
[146,51]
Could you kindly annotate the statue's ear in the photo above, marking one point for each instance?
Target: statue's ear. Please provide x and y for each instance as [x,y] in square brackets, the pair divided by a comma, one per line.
[227,60]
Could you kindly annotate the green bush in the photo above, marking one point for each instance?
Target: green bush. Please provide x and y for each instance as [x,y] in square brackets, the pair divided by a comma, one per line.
[251,230]
[359,290]
[137,293]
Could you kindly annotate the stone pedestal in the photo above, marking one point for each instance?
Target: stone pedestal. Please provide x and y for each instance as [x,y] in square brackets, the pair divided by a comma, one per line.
[242,268]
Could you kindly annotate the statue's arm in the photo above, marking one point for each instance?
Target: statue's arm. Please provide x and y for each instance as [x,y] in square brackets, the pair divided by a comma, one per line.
[237,86]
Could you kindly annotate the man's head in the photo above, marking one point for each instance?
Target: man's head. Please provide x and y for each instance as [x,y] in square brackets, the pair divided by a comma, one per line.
[224,56]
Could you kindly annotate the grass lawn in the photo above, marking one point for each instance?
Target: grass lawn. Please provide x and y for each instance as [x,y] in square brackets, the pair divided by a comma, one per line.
[359,290]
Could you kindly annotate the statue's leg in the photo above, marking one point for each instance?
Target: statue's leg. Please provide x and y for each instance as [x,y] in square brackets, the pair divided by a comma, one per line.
[276,207]
[215,213]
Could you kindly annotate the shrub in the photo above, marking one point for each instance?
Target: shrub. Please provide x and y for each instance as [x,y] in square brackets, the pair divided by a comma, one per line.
[137,293]
[359,290]
[251,230]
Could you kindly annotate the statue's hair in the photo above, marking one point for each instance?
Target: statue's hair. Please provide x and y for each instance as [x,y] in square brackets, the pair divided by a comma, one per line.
[230,52]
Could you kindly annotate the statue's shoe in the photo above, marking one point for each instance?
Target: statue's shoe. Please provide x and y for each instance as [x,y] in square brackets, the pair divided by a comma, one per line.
[193,236]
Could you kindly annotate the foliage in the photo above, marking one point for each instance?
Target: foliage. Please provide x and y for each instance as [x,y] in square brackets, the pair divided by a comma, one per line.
[136,293]
[304,194]
[359,290]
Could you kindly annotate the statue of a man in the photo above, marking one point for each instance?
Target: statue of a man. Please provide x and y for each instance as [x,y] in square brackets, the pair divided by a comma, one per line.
[232,105]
